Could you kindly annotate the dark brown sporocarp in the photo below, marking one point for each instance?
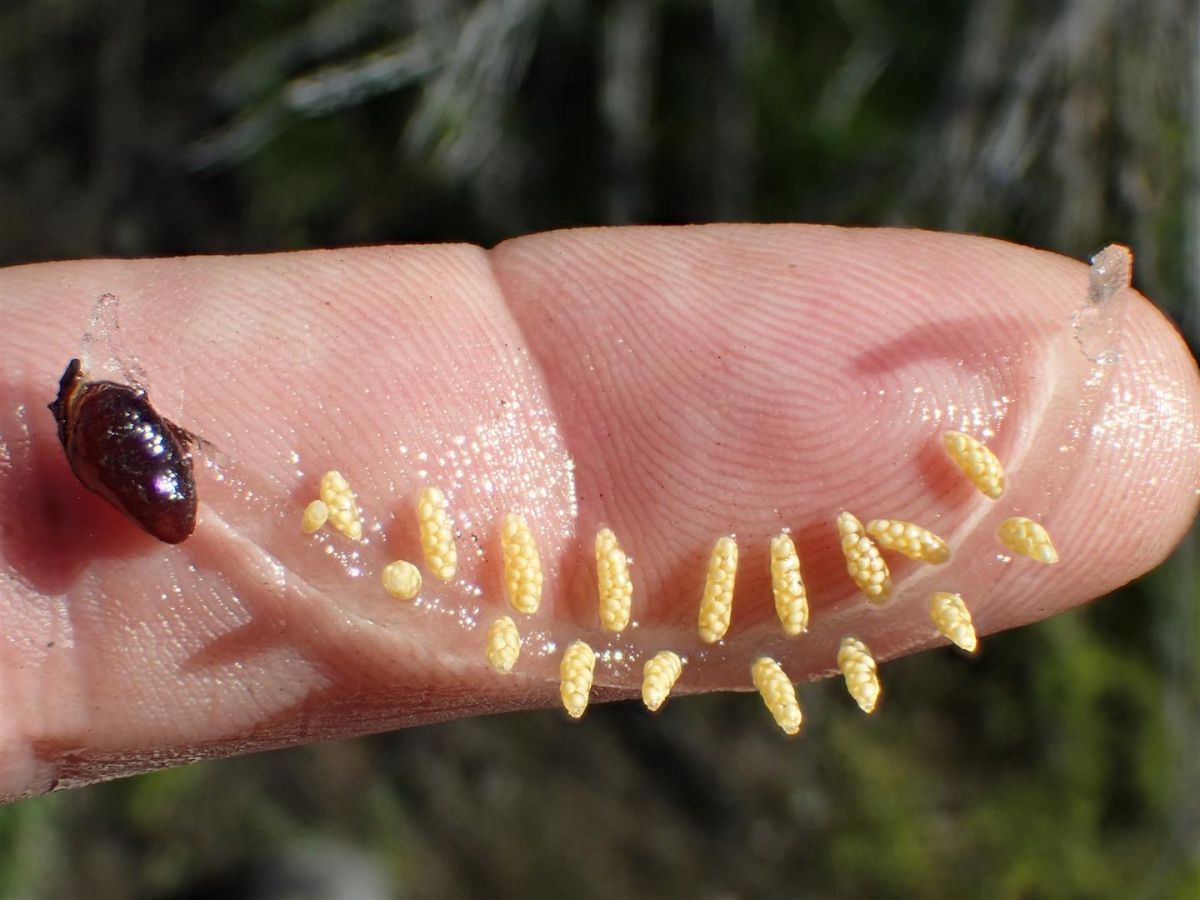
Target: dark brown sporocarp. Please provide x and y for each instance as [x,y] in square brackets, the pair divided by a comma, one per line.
[122,449]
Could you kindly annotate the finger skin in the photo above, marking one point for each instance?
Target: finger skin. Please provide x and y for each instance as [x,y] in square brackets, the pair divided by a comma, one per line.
[675,385]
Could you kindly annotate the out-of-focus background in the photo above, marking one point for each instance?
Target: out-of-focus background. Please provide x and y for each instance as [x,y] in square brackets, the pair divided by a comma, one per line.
[1063,762]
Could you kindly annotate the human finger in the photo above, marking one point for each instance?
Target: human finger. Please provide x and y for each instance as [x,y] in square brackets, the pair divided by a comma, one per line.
[675,385]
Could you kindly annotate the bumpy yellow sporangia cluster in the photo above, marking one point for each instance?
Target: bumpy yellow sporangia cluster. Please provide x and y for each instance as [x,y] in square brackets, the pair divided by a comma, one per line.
[658,677]
[777,693]
[612,577]
[316,514]
[858,667]
[503,645]
[343,507]
[912,540]
[437,533]
[402,579]
[978,462]
[522,565]
[1028,538]
[791,599]
[953,619]
[576,671]
[863,561]
[716,603]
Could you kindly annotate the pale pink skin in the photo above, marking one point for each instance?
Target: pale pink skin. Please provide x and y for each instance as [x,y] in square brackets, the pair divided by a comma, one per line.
[704,381]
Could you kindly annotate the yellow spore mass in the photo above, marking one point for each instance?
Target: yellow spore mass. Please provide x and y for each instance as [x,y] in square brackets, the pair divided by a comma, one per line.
[977,462]
[863,560]
[862,678]
[613,582]
[778,693]
[953,620]
[576,671]
[522,565]
[913,541]
[503,645]
[316,514]
[342,504]
[658,678]
[437,533]
[402,579]
[716,603]
[791,599]
[1028,538]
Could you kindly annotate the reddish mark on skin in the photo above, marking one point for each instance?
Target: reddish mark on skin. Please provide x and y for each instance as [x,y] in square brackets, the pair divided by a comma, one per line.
[120,448]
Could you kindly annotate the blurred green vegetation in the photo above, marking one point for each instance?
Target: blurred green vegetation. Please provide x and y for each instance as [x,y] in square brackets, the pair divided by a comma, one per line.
[1063,762]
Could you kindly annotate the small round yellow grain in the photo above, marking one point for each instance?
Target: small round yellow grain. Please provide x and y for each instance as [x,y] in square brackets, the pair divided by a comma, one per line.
[316,514]
[402,579]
